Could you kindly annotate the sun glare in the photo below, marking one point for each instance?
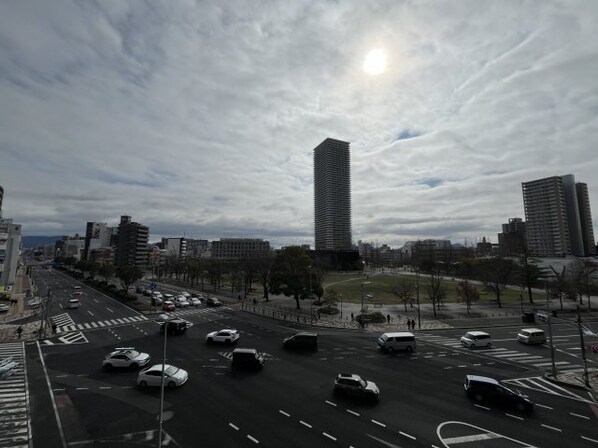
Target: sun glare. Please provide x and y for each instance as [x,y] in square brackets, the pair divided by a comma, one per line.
[375,62]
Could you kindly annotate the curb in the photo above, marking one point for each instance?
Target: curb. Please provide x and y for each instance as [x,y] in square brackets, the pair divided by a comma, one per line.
[550,378]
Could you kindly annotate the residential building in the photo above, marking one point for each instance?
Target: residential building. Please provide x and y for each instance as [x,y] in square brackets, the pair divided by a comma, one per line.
[198,248]
[240,248]
[97,235]
[553,217]
[10,250]
[131,243]
[174,247]
[585,218]
[332,196]
[512,239]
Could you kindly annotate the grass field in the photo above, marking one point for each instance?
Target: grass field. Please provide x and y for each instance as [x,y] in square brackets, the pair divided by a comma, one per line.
[380,286]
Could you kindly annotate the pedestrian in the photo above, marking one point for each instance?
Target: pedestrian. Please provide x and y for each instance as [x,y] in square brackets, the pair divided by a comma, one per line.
[53,328]
[239,297]
[388,318]
[352,318]
[413,324]
[254,301]
[19,331]
[408,324]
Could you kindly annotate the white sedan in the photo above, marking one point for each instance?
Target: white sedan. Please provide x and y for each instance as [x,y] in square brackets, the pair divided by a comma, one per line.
[185,294]
[227,336]
[194,301]
[152,376]
[125,357]
[180,302]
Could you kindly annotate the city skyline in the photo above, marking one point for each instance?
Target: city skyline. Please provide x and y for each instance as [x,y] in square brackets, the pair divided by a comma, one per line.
[200,120]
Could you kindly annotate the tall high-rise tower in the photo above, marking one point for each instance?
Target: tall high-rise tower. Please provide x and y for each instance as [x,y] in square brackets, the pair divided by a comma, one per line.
[131,243]
[556,225]
[332,195]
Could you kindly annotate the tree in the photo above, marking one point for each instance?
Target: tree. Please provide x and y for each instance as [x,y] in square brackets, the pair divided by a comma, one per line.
[528,273]
[263,265]
[436,291]
[290,274]
[495,274]
[563,285]
[404,290]
[107,271]
[468,293]
[330,297]
[128,275]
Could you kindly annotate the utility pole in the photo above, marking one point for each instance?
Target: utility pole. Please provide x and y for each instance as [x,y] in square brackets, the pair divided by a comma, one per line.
[419,318]
[161,416]
[551,345]
[586,378]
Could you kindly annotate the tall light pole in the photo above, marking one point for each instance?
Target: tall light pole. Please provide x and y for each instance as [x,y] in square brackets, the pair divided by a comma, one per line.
[363,283]
[419,317]
[161,416]
[341,306]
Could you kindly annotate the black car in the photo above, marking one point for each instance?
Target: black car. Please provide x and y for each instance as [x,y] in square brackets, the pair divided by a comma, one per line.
[174,326]
[489,390]
[303,340]
[247,358]
[213,301]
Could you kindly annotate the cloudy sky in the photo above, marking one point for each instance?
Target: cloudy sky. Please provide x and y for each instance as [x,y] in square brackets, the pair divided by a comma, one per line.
[199,118]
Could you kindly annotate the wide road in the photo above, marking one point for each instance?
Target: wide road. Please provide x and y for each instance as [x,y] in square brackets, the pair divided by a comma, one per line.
[290,402]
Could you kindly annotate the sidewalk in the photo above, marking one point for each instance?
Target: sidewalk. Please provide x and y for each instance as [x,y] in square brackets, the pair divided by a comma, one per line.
[17,311]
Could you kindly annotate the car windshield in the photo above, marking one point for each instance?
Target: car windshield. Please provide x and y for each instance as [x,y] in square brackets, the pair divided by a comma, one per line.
[363,383]
[134,353]
[171,370]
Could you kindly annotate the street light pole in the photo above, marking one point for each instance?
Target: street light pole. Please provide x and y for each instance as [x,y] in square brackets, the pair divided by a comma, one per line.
[341,306]
[586,378]
[162,387]
[363,283]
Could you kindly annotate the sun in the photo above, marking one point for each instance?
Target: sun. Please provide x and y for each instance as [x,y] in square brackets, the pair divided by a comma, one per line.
[375,62]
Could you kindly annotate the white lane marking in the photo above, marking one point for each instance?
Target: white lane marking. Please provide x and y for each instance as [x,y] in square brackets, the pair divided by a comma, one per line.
[236,428]
[253,439]
[471,438]
[513,416]
[105,387]
[376,422]
[110,310]
[588,439]
[96,300]
[407,435]
[551,427]
[450,367]
[578,415]
[286,414]
[353,412]
[482,407]
[544,406]
[330,403]
[305,424]
[81,388]
[329,436]
[90,312]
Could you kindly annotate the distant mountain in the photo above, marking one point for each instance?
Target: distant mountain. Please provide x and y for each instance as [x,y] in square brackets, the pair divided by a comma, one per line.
[31,242]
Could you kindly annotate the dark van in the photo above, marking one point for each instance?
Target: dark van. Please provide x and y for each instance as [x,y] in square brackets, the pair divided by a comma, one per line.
[489,390]
[247,358]
[302,341]
[174,327]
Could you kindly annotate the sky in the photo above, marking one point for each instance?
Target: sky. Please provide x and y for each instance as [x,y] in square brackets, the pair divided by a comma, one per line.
[199,118]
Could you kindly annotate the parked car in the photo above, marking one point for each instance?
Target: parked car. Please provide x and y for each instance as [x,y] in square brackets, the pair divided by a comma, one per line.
[126,357]
[489,390]
[227,336]
[302,340]
[181,302]
[168,305]
[185,294]
[213,301]
[174,327]
[353,385]
[474,339]
[198,295]
[194,301]
[167,297]
[247,358]
[152,376]
[156,301]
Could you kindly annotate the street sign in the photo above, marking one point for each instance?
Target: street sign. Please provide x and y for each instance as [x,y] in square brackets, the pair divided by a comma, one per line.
[152,285]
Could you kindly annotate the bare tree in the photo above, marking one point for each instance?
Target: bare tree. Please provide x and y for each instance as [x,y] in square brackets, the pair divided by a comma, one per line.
[405,291]
[436,291]
[564,285]
[468,293]
[495,274]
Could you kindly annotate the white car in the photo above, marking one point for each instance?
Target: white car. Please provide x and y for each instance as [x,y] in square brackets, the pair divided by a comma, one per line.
[194,301]
[227,336]
[185,294]
[126,357]
[473,339]
[181,302]
[152,376]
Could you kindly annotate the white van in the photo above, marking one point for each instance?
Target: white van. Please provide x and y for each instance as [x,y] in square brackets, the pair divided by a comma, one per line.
[402,340]
[531,336]
[476,339]
[74,303]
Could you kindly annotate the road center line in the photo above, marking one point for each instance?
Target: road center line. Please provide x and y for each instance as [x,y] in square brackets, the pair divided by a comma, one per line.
[253,439]
[544,406]
[110,310]
[330,403]
[588,439]
[90,312]
[578,415]
[353,412]
[551,427]
[376,422]
[286,414]
[407,435]
[236,428]
[329,436]
[514,416]
[481,407]
[305,424]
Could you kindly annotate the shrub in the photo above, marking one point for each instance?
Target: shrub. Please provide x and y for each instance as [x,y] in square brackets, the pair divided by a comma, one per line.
[376,317]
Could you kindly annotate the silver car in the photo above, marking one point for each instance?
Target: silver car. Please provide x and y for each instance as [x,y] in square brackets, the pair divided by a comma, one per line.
[152,376]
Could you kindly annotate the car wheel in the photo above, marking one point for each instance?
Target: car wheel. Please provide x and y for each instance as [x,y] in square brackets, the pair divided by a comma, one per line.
[134,365]
[143,384]
[108,366]
[210,341]
[227,341]
[390,349]
[478,397]
[409,349]
[488,345]
[172,384]
[472,345]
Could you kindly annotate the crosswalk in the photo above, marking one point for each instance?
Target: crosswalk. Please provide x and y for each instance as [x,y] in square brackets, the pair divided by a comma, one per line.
[541,384]
[14,400]
[72,326]
[538,361]
[195,311]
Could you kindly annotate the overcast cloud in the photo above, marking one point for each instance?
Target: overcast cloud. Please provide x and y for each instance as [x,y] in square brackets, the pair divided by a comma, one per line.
[200,118]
